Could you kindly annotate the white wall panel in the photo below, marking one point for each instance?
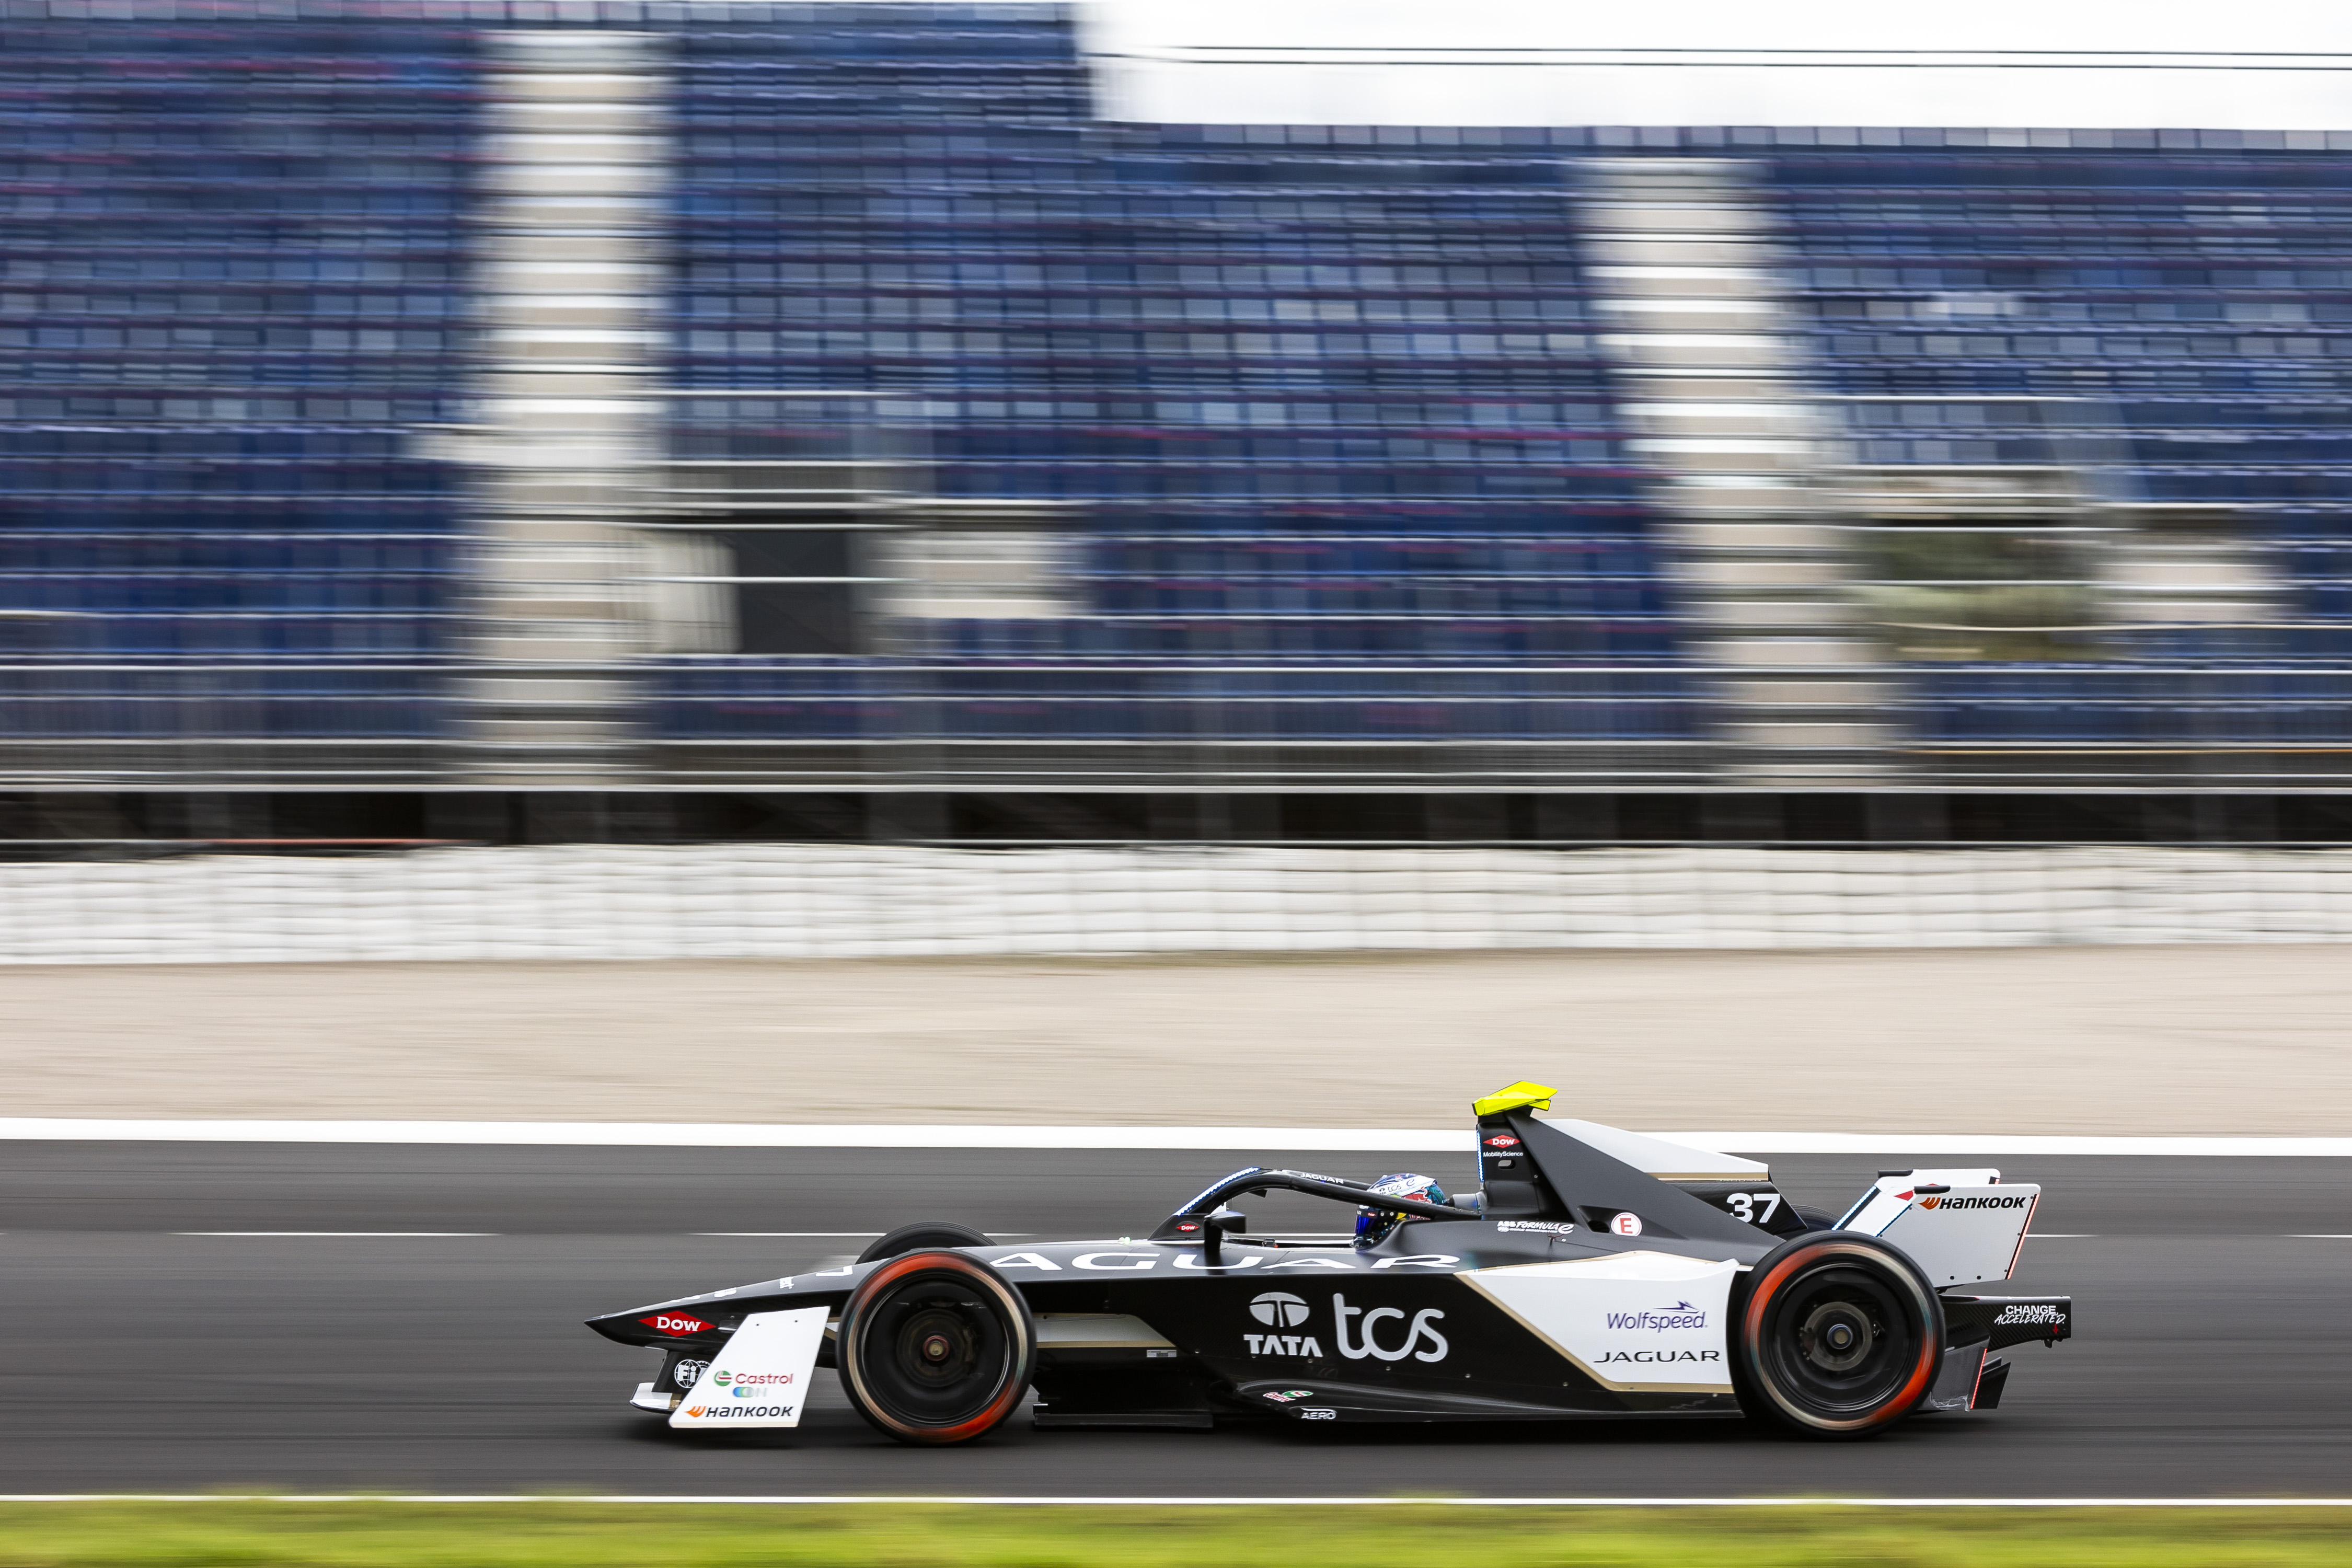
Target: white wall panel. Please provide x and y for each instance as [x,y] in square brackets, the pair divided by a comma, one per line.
[590,902]
[2269,65]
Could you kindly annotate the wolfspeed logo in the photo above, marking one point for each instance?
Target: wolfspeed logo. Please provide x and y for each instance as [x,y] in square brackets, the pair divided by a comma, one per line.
[1656,1358]
[735,1412]
[2015,1202]
[1681,1315]
[2030,1313]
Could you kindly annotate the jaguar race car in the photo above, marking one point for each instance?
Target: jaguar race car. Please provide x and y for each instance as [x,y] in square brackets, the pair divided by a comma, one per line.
[1596,1273]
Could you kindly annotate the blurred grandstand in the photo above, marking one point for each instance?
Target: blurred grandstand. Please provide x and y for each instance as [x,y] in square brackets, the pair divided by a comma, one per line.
[849,402]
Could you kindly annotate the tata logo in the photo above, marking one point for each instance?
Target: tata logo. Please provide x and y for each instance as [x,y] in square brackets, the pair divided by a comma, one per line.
[1279,1310]
[676,1323]
[1358,1332]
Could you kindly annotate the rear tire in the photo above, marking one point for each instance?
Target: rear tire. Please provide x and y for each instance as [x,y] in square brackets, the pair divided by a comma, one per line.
[1839,1335]
[926,1233]
[936,1347]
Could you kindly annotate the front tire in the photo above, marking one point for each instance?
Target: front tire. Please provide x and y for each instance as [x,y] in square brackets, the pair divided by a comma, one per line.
[935,1348]
[926,1233]
[1839,1335]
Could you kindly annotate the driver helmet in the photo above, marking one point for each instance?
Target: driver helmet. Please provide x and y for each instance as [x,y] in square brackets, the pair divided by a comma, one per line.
[1376,1225]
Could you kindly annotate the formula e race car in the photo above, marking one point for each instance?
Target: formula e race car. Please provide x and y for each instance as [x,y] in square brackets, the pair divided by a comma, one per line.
[1597,1273]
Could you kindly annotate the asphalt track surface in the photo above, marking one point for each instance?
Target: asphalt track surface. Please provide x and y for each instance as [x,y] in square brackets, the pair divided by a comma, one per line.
[2215,1313]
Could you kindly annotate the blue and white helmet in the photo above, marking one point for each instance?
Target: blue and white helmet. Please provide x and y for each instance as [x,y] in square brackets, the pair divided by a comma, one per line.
[1375,1226]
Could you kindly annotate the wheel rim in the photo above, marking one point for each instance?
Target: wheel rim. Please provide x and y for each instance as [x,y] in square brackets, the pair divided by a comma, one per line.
[1840,1341]
[933,1354]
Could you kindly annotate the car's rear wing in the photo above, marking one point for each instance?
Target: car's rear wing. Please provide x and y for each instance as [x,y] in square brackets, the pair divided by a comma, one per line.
[1960,1227]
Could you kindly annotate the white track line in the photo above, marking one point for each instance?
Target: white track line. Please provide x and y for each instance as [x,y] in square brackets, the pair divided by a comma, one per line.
[667,1500]
[369,1234]
[922,1135]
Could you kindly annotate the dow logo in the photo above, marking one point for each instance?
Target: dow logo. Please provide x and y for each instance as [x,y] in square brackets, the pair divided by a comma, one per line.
[1277,1309]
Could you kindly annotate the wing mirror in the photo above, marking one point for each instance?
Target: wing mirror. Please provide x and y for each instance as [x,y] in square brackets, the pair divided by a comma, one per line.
[1214,1228]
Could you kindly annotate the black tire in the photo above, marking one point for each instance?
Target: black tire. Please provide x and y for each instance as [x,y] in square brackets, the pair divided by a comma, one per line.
[936,1347]
[926,1233]
[1839,1335]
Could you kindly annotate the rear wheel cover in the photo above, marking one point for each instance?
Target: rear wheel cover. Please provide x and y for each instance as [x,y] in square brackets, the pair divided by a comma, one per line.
[1840,1334]
[936,1347]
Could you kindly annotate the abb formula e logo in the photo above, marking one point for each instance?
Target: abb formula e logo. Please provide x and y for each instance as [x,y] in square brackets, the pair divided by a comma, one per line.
[676,1323]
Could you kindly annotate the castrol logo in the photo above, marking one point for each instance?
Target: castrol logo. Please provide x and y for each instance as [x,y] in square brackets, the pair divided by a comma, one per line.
[676,1323]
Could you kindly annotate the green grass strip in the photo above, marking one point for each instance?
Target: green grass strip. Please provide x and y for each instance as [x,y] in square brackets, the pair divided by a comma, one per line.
[236,1535]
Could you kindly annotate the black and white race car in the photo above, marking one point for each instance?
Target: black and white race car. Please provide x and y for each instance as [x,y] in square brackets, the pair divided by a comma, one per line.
[1597,1273]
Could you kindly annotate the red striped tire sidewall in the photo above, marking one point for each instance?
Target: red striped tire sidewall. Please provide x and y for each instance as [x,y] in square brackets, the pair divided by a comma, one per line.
[985,1278]
[1759,1301]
